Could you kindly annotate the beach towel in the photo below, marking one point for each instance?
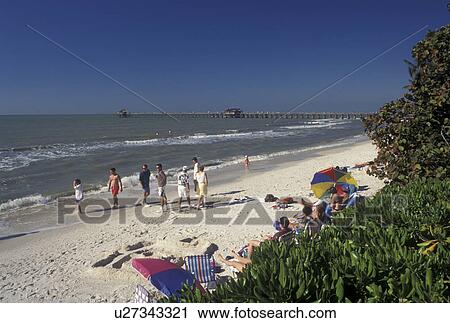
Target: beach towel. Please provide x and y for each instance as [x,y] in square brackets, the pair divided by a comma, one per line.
[280,206]
[286,200]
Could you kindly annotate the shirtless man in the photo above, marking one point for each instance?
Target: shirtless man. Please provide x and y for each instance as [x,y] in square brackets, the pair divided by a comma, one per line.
[161,178]
[114,185]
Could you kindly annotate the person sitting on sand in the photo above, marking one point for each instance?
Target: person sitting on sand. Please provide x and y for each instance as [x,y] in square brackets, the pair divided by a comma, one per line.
[202,180]
[183,187]
[317,220]
[144,178]
[319,213]
[162,181]
[293,224]
[114,186]
[284,228]
[336,201]
[78,188]
[239,262]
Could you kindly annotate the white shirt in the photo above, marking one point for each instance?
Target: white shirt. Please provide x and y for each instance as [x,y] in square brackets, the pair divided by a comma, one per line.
[195,170]
[183,179]
[78,192]
[201,177]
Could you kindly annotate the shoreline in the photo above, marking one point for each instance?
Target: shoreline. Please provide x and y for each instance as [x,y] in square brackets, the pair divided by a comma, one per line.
[55,160]
[221,173]
[70,264]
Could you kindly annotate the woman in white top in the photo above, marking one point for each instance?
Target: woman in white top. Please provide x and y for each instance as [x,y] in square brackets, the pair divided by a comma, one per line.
[195,162]
[78,188]
[202,180]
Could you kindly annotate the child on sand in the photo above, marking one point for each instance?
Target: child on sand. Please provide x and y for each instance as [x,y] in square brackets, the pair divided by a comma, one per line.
[78,188]
[114,186]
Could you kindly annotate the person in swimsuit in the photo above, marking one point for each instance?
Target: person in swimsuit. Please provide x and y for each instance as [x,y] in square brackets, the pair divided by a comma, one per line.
[246,161]
[239,262]
[114,186]
[161,178]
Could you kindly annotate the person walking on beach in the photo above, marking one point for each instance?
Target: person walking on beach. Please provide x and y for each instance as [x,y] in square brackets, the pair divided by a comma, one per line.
[162,181]
[144,178]
[114,186]
[196,165]
[183,187]
[202,180]
[78,188]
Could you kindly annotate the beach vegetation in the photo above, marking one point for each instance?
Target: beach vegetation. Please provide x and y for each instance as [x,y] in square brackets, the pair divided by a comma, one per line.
[412,133]
[394,248]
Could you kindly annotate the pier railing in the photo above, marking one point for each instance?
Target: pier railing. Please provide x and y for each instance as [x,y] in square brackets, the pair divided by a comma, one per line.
[260,115]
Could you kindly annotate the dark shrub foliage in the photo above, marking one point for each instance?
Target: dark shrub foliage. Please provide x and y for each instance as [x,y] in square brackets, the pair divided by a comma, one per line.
[378,257]
[413,133]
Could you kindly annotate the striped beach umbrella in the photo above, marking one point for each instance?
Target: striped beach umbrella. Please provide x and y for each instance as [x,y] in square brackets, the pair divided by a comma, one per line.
[325,179]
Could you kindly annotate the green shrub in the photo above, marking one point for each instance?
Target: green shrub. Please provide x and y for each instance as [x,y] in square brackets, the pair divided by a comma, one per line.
[422,208]
[361,262]
[412,134]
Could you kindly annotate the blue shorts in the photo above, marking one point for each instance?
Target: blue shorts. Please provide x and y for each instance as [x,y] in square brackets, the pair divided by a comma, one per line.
[146,188]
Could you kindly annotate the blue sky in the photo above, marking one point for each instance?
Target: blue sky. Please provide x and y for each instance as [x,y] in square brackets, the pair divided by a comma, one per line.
[207,55]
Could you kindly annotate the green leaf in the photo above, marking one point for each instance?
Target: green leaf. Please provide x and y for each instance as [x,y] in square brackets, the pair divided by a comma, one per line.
[282,278]
[340,289]
[301,290]
[429,278]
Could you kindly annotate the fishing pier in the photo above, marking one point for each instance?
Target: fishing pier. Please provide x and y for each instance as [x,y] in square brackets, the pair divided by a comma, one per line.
[258,115]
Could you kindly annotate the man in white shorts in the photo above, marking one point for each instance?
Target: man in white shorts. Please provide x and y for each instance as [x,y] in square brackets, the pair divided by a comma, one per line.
[162,181]
[183,187]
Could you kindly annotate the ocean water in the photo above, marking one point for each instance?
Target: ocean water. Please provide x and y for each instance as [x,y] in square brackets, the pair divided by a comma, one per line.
[41,155]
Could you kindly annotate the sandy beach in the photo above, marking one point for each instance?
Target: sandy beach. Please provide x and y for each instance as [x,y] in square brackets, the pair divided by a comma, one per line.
[91,262]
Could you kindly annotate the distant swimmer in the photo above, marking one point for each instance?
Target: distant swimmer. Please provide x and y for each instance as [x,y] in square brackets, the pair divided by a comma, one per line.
[246,161]
[170,132]
[157,133]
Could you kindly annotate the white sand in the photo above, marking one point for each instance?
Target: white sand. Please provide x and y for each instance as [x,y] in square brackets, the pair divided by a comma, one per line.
[56,265]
